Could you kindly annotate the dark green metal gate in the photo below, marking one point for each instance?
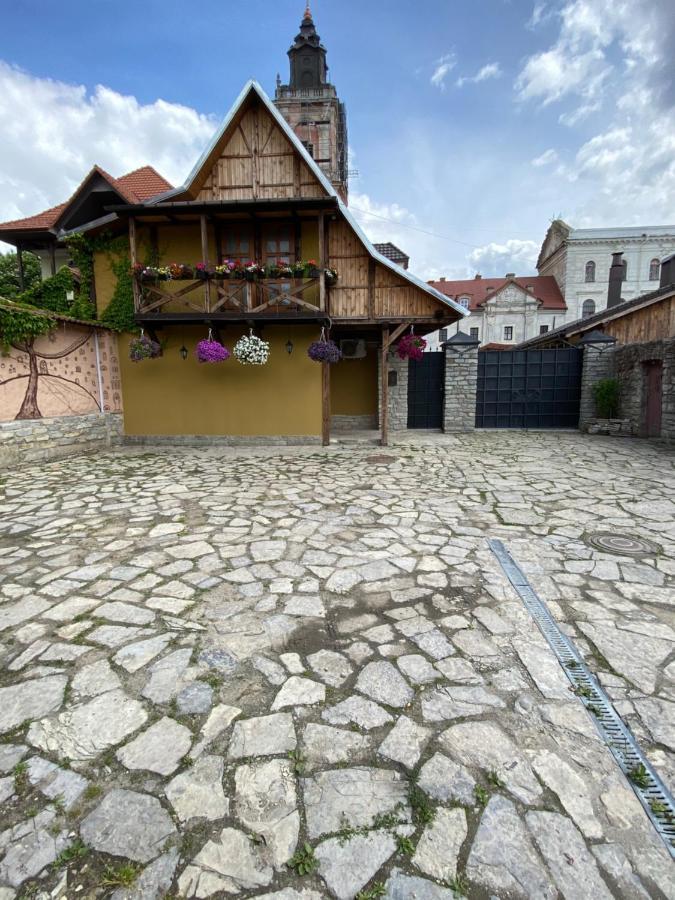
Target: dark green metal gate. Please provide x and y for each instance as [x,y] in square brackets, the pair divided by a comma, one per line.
[528,388]
[426,381]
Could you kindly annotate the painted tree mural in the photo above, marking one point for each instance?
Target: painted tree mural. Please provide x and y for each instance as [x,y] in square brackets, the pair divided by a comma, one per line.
[57,374]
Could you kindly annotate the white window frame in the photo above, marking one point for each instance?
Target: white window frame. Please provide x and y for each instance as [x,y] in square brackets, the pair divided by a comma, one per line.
[512,327]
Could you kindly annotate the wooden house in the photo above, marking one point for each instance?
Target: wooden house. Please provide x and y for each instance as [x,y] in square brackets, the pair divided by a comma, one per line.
[256,194]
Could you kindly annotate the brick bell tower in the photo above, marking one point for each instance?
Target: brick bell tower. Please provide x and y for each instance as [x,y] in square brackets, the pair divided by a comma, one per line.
[311,106]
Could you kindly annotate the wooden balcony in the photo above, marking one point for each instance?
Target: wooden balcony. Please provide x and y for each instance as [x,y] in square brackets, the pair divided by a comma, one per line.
[230,299]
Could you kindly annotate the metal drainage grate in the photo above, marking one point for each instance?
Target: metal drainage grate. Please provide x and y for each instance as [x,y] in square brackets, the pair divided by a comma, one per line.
[623,544]
[650,790]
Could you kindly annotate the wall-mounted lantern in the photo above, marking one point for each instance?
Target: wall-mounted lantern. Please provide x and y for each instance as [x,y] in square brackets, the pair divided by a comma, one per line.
[289,346]
[461,343]
[598,340]
[183,352]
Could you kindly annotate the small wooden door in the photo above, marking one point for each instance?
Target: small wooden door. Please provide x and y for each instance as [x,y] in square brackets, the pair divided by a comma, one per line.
[653,372]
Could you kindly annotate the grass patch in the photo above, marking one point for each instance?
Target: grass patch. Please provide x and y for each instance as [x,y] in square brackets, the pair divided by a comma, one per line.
[298,760]
[405,845]
[423,810]
[458,885]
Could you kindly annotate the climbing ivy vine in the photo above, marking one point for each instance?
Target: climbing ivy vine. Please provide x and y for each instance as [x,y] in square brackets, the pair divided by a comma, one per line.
[119,314]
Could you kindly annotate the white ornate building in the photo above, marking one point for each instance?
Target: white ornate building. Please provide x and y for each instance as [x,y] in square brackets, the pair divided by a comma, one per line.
[579,260]
[504,311]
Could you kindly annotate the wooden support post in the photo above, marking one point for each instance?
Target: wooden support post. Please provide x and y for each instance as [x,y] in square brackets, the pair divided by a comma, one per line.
[384,403]
[322,263]
[325,404]
[205,256]
[19,260]
[52,258]
[132,254]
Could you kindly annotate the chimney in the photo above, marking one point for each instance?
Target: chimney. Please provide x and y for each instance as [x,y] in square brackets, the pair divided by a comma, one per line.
[442,278]
[667,271]
[615,280]
[477,276]
[510,275]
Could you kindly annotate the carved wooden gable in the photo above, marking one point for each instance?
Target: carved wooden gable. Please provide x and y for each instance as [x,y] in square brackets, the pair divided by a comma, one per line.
[254,160]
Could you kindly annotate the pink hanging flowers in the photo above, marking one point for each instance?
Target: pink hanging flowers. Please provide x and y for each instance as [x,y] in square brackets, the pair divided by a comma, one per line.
[411,347]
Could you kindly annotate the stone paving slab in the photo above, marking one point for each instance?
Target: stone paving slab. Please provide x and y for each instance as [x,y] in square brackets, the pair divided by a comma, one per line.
[301,674]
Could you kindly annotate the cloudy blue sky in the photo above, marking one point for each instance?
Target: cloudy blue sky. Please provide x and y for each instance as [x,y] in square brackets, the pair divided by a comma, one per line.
[471,124]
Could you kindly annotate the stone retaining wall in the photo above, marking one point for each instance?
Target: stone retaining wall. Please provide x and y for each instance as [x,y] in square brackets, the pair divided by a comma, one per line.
[38,440]
[221,440]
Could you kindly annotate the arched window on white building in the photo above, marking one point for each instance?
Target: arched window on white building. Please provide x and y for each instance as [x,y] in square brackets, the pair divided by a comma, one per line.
[587,309]
[654,270]
[590,271]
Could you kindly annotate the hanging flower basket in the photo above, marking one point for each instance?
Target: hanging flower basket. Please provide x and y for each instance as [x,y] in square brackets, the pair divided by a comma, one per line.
[143,347]
[250,350]
[324,350]
[411,347]
[210,351]
[330,275]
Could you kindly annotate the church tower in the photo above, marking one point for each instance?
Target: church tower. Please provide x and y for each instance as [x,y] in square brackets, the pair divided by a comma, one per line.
[311,106]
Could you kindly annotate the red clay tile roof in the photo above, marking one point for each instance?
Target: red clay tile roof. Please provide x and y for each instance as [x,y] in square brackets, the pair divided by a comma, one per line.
[144,183]
[135,187]
[478,290]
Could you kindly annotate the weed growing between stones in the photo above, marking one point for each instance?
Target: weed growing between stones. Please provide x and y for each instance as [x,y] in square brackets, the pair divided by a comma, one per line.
[76,850]
[120,876]
[298,760]
[372,893]
[494,780]
[303,861]
[20,772]
[92,791]
[458,885]
[481,794]
[423,810]
[405,845]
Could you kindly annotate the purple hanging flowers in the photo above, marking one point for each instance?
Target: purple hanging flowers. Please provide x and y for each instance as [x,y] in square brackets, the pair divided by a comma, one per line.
[210,351]
[143,347]
[324,350]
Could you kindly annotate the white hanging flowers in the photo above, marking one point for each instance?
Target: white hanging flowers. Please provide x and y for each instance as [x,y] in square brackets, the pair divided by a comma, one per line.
[250,350]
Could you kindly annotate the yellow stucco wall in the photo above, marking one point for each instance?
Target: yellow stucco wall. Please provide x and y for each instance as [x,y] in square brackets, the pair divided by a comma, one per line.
[169,396]
[353,386]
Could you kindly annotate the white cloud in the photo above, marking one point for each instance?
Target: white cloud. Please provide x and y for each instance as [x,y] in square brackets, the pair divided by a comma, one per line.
[443,67]
[540,14]
[547,157]
[512,256]
[54,132]
[490,70]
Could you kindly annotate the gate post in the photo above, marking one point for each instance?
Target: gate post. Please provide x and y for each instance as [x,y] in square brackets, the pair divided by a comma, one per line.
[596,366]
[461,377]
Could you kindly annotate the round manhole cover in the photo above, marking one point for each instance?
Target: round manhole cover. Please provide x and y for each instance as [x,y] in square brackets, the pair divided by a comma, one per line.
[380,460]
[623,544]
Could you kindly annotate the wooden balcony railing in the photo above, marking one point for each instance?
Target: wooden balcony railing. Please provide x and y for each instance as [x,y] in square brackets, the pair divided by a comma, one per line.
[236,296]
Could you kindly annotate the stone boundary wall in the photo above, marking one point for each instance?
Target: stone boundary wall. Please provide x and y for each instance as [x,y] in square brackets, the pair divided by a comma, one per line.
[365,422]
[39,440]
[459,400]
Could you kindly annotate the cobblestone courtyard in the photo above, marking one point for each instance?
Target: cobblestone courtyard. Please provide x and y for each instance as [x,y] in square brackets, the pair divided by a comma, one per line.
[223,670]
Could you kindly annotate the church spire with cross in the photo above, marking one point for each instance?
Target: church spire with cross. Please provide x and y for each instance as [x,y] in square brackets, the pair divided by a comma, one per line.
[310,104]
